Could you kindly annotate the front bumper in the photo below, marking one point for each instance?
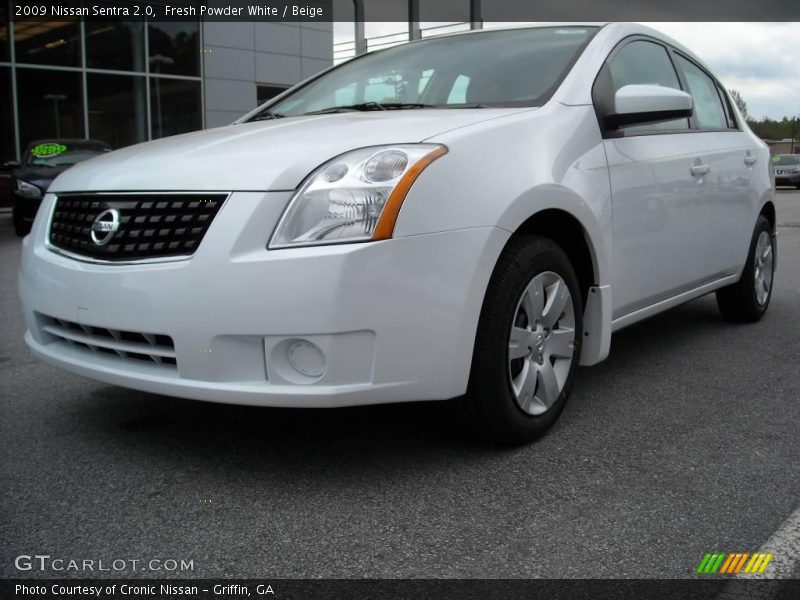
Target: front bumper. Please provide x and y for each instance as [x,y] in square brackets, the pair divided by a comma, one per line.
[25,209]
[793,179]
[395,320]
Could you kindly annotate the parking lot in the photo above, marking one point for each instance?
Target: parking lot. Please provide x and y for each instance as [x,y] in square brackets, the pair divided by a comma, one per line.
[685,441]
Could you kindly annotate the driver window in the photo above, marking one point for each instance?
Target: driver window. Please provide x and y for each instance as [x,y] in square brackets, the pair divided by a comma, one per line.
[643,63]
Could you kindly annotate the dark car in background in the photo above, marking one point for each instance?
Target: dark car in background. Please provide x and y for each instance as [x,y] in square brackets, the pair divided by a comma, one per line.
[6,183]
[42,162]
[787,169]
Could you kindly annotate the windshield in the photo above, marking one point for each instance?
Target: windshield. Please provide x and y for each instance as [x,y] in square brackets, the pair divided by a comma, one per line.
[54,154]
[786,159]
[519,67]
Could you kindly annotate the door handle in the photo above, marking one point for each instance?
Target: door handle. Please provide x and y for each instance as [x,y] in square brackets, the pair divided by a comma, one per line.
[699,169]
[750,160]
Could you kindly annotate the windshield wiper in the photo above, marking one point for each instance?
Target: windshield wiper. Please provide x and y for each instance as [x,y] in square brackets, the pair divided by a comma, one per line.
[402,105]
[266,116]
[473,105]
[365,106]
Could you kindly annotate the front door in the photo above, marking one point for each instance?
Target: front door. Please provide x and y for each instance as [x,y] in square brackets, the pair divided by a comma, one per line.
[660,185]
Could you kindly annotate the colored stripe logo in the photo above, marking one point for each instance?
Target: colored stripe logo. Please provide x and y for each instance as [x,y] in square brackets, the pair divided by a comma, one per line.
[731,563]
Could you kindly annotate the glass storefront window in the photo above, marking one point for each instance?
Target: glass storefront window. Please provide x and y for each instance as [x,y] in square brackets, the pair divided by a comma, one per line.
[117,109]
[48,42]
[7,151]
[174,106]
[268,92]
[174,48]
[115,45]
[50,104]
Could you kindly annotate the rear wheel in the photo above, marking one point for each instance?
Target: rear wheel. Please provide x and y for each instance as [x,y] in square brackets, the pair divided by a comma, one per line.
[747,299]
[527,344]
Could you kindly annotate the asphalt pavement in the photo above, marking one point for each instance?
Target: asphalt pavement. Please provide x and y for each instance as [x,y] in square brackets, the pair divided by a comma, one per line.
[685,441]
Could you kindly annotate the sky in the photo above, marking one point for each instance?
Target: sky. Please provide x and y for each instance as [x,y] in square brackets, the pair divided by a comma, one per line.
[760,60]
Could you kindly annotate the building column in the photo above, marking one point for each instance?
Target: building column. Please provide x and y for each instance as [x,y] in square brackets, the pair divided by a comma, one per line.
[414,32]
[475,18]
[361,40]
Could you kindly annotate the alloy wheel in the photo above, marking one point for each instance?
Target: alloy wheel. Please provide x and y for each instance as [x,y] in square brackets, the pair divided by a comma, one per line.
[763,267]
[541,343]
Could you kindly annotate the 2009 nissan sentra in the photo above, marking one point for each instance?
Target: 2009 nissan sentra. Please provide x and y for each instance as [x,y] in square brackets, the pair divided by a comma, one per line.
[467,217]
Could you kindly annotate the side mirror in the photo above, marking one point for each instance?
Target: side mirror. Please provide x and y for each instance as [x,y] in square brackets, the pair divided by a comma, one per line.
[637,104]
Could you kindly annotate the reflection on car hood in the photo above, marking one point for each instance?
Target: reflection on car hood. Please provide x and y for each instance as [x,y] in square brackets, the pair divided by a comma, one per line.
[263,155]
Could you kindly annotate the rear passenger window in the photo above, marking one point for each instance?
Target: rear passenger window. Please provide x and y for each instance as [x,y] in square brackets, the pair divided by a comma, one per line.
[707,104]
[643,63]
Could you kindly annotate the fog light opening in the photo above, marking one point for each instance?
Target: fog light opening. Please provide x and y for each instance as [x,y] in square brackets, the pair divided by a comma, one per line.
[306,358]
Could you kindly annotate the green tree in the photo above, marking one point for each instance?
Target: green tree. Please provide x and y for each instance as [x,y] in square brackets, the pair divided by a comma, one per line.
[769,129]
[740,103]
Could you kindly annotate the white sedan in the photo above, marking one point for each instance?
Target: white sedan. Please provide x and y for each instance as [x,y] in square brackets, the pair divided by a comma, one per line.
[467,217]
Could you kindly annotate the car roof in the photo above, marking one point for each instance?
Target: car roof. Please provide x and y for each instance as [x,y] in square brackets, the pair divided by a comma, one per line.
[618,31]
[624,29]
[605,39]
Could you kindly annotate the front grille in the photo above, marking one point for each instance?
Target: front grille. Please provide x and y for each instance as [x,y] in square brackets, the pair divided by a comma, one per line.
[128,345]
[147,226]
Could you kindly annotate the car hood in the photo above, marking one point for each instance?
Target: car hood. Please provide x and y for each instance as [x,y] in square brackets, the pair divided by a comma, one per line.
[41,177]
[264,155]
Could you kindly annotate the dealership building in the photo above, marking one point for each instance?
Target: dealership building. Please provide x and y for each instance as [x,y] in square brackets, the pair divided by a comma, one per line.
[125,82]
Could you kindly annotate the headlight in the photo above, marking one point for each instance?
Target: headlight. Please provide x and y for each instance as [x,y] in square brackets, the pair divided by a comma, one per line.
[28,190]
[353,197]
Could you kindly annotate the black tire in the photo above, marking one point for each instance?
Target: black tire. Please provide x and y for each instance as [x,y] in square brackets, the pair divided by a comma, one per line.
[738,302]
[21,228]
[490,409]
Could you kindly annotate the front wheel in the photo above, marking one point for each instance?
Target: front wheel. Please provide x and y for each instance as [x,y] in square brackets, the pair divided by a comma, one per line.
[747,299]
[527,343]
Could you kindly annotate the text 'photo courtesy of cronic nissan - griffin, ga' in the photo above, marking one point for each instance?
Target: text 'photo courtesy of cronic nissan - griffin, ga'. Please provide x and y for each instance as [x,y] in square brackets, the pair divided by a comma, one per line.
[423,222]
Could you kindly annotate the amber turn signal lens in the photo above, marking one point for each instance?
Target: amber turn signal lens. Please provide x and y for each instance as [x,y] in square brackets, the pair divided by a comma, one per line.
[385,227]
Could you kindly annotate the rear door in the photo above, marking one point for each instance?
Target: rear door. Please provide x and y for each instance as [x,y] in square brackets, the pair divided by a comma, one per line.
[659,188]
[732,159]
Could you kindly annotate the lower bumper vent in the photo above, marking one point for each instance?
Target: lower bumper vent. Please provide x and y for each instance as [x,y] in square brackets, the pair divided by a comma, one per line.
[127,345]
